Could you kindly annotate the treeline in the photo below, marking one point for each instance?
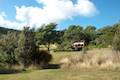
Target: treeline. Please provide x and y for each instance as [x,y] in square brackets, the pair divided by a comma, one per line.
[23,47]
[94,38]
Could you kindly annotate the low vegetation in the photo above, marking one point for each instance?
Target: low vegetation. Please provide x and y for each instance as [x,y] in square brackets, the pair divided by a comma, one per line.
[67,73]
[98,58]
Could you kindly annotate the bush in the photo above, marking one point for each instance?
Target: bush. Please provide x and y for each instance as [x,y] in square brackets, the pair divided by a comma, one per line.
[42,58]
[116,41]
[3,57]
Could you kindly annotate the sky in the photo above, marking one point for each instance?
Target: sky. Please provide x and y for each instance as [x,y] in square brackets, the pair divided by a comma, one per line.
[16,14]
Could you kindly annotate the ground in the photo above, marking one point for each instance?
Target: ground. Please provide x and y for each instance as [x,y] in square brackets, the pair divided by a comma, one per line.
[58,74]
[64,74]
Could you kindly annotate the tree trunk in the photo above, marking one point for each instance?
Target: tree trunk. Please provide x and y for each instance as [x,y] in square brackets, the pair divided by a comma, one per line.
[48,47]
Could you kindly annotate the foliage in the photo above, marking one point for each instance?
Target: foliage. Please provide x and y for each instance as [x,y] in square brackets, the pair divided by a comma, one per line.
[116,41]
[26,47]
[105,35]
[77,33]
[21,48]
[47,35]
[90,32]
[8,44]
[41,58]
[28,52]
[72,34]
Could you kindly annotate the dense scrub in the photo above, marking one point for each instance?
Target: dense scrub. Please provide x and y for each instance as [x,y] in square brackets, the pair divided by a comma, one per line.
[21,50]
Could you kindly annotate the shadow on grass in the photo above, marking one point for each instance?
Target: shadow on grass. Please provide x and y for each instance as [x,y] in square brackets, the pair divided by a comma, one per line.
[9,71]
[52,66]
[13,71]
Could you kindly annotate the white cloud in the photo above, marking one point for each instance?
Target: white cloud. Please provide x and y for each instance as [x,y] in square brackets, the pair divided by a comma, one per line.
[86,8]
[9,24]
[52,11]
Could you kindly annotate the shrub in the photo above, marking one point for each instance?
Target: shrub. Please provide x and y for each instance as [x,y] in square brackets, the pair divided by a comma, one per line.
[8,44]
[42,58]
[116,41]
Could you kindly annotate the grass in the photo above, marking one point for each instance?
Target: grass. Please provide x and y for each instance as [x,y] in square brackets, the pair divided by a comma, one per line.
[57,56]
[96,58]
[58,74]
[66,74]
[60,55]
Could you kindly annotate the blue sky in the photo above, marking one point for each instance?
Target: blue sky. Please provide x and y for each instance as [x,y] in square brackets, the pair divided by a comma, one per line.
[108,13]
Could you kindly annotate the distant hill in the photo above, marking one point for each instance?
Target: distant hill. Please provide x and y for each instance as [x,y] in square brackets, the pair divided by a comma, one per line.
[5,30]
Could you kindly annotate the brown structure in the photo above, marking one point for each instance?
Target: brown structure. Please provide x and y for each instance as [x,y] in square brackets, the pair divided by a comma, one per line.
[77,46]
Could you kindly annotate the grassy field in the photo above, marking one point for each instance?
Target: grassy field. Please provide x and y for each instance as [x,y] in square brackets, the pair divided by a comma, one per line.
[58,74]
[65,74]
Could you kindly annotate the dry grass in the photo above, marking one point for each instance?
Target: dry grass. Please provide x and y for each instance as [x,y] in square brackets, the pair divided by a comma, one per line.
[97,58]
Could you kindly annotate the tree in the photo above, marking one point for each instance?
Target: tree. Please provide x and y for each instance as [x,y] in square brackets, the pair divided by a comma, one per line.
[26,46]
[72,34]
[8,44]
[91,32]
[47,35]
[106,34]
[90,29]
[116,40]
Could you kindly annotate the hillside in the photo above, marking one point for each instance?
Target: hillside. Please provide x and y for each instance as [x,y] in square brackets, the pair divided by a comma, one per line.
[5,30]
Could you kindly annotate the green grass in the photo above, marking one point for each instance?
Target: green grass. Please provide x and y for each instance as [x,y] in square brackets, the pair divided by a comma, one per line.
[58,74]
[64,74]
